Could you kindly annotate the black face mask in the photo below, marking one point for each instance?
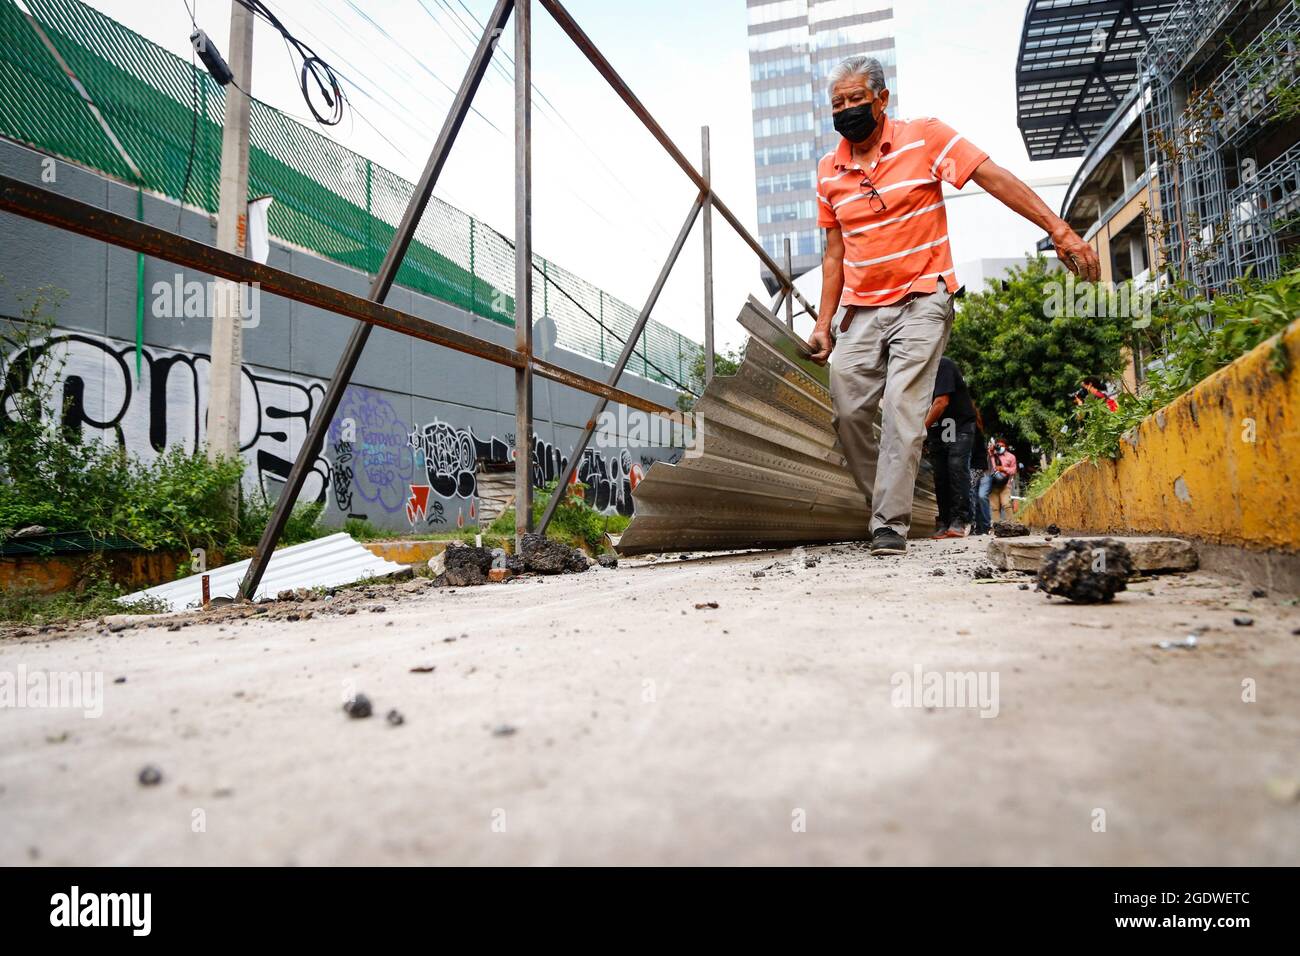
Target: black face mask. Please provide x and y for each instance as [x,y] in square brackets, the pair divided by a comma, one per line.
[856,124]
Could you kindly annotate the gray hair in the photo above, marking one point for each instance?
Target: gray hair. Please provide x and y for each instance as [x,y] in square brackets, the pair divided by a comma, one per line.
[859,65]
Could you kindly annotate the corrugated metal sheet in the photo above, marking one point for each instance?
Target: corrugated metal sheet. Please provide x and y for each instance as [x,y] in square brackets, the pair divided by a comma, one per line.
[325,562]
[770,473]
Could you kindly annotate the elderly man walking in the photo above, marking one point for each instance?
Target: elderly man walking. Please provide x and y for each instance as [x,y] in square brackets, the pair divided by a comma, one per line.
[888,281]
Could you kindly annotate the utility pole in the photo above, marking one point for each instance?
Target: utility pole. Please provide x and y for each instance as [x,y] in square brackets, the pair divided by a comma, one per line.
[226,369]
[524,272]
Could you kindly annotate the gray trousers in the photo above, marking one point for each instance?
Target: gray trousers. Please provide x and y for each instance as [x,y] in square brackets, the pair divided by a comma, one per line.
[887,359]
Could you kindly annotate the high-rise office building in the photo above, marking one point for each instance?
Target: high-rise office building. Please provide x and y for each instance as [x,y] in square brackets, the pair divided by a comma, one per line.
[793,44]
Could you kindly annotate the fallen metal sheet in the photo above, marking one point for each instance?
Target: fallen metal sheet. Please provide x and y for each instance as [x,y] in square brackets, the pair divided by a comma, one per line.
[770,473]
[325,562]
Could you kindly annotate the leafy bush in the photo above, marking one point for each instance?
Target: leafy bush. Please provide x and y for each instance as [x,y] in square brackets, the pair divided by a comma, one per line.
[1023,364]
[52,475]
[1196,337]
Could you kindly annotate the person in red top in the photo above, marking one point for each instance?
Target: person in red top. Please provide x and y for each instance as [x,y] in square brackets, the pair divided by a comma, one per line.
[888,280]
[1093,386]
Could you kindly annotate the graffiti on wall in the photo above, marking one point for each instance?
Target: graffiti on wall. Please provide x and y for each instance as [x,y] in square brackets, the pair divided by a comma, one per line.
[372,459]
[168,406]
[380,465]
[448,458]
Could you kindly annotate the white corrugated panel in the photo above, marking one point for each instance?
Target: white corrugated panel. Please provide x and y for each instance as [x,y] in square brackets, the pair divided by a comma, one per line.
[325,562]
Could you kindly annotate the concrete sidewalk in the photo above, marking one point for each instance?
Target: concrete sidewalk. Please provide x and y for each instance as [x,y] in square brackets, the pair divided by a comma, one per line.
[603,718]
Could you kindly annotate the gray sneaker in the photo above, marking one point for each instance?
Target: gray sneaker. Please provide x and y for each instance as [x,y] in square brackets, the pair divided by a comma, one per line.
[888,541]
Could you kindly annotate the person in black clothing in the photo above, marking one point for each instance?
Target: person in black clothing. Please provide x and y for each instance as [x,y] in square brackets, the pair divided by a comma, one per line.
[951,435]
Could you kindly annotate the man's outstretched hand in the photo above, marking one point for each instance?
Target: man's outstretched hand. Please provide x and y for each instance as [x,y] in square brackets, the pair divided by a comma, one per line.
[821,345]
[1076,255]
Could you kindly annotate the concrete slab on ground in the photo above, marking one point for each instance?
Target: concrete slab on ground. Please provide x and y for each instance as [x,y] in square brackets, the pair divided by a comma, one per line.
[615,717]
[1149,554]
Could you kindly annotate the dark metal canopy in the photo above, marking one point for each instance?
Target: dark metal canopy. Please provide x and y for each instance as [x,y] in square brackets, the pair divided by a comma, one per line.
[1077,61]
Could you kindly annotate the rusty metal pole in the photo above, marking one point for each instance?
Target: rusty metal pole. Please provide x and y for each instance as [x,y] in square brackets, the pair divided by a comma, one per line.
[378,292]
[789,299]
[523,271]
[708,258]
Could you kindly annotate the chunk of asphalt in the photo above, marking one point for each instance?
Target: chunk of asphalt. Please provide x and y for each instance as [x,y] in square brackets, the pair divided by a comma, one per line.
[1086,572]
[1009,529]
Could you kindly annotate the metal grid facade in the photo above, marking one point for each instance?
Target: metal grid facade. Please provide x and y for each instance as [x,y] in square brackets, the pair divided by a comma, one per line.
[1217,214]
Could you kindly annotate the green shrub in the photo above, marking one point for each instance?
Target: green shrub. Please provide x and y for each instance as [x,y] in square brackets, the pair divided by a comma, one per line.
[724,363]
[1023,360]
[56,477]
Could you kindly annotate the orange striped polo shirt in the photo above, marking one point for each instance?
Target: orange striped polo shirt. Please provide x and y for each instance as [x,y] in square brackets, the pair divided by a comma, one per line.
[904,248]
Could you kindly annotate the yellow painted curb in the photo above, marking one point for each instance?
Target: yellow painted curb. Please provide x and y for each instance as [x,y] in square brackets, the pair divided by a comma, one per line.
[405,552]
[1220,463]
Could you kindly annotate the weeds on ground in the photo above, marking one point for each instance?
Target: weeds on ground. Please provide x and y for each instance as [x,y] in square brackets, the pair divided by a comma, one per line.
[575,523]
[95,596]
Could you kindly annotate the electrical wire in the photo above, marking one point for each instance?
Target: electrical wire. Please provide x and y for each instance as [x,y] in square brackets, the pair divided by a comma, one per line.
[406,116]
[313,67]
[334,95]
[418,61]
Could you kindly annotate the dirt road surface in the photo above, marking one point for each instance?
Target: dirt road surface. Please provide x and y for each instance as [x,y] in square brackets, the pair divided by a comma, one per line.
[604,718]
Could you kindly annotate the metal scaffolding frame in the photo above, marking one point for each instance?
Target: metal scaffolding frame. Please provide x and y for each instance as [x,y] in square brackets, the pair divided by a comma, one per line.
[1077,62]
[45,206]
[1266,212]
[1214,209]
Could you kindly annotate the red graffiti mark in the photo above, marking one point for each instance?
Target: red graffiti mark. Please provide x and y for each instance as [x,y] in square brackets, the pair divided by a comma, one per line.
[635,476]
[460,517]
[418,504]
[473,511]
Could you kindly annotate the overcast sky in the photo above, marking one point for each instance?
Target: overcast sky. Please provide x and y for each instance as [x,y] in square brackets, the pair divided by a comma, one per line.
[607,200]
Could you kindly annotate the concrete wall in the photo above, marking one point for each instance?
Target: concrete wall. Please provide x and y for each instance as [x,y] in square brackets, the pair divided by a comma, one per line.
[422,414]
[1221,464]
